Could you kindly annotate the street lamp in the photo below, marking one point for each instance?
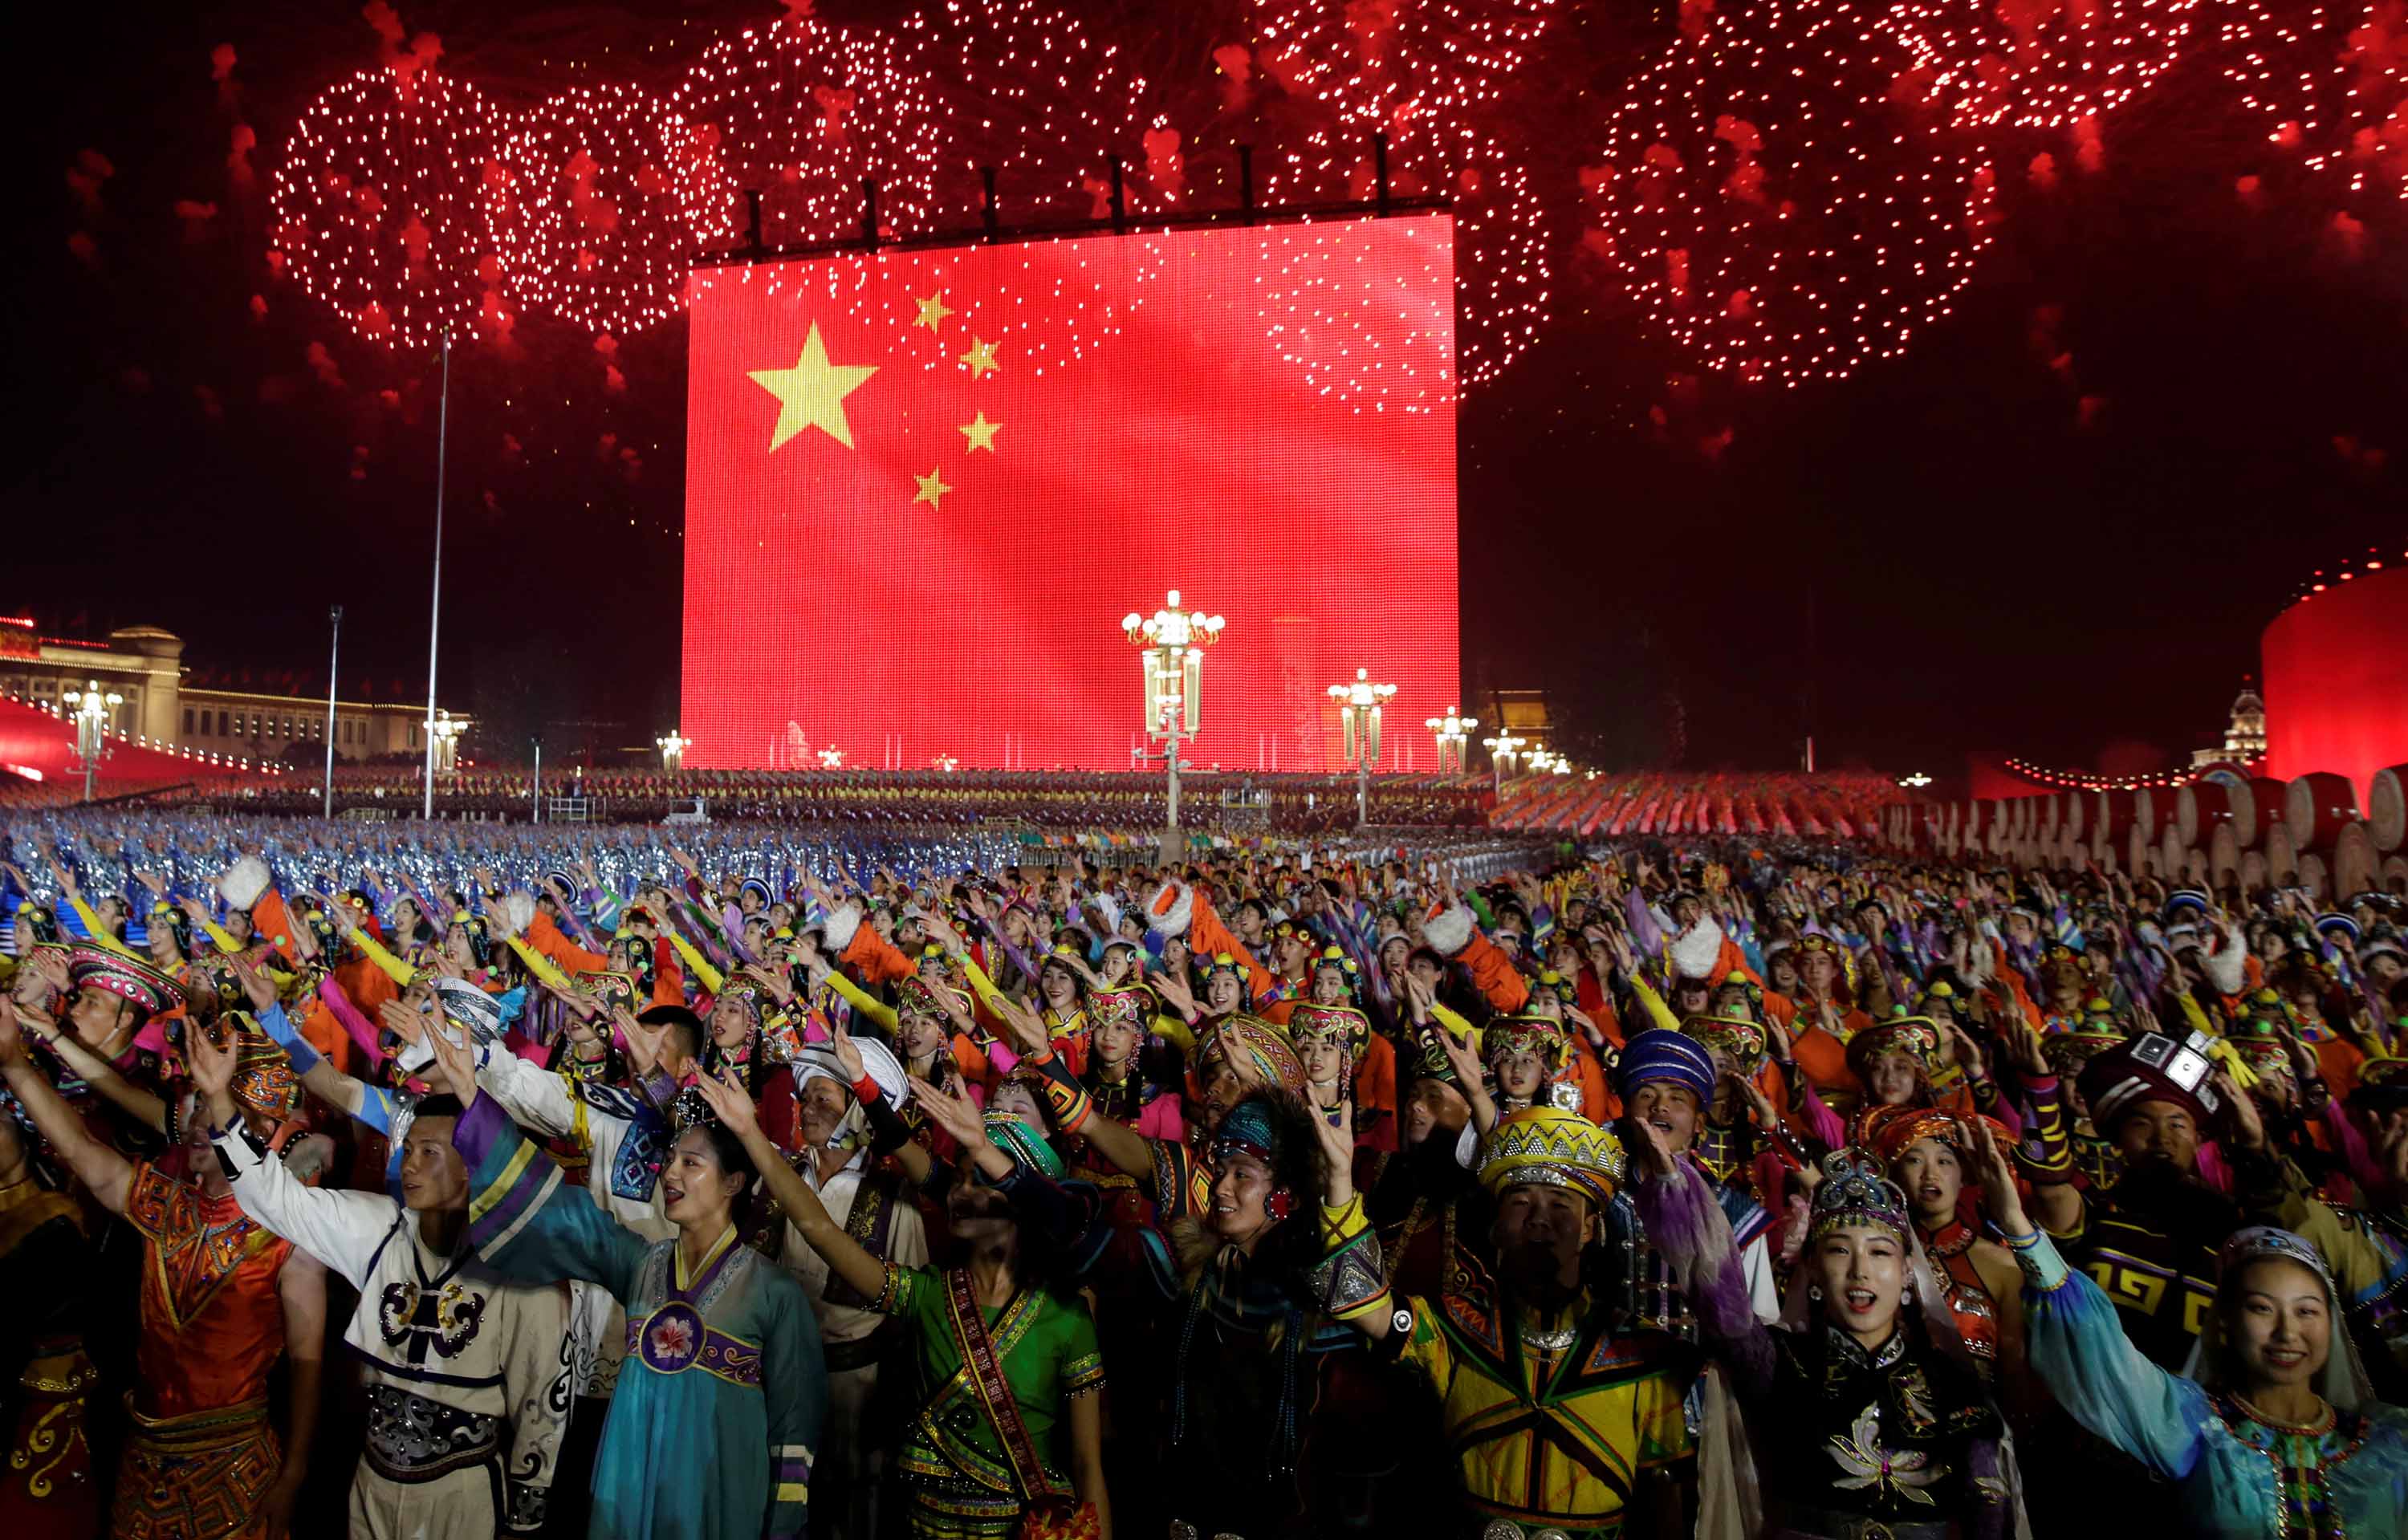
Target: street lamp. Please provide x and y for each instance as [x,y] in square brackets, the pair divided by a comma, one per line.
[1502,749]
[443,737]
[673,750]
[1918,779]
[831,759]
[946,762]
[92,727]
[1453,732]
[1358,709]
[1171,644]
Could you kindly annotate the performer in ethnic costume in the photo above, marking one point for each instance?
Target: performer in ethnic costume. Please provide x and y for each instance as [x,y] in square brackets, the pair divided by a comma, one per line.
[1668,1080]
[1562,1423]
[2272,1431]
[721,1401]
[47,1489]
[1871,1419]
[1930,1155]
[468,1375]
[1007,1436]
[223,1299]
[872,1206]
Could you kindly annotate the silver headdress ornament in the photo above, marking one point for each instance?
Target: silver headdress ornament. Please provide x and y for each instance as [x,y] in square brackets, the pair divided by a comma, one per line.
[1856,1190]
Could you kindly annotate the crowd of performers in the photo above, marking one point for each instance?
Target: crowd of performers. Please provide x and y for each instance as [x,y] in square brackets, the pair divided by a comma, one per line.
[1643,1189]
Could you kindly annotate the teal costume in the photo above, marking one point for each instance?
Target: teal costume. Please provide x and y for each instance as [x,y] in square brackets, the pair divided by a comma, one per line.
[2235,1472]
[719,1407]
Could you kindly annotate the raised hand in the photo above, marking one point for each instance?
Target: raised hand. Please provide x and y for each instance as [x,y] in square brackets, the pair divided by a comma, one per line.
[731,1107]
[256,986]
[847,1053]
[210,1051]
[456,1060]
[1998,1176]
[950,1110]
[1336,1135]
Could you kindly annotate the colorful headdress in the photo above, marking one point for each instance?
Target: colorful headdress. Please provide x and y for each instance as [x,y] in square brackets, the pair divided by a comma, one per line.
[915,996]
[1735,1036]
[1027,1146]
[470,1007]
[1661,1054]
[2382,1085]
[1224,963]
[2258,1035]
[1350,1027]
[1553,1147]
[1857,1190]
[1251,1128]
[1275,1060]
[2152,1067]
[147,987]
[1909,1034]
[1128,1007]
[1557,985]
[2071,1049]
[1541,1036]
[1335,957]
[1889,1131]
[264,1082]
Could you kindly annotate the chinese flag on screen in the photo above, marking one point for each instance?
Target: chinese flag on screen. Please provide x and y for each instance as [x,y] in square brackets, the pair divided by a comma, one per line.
[923,488]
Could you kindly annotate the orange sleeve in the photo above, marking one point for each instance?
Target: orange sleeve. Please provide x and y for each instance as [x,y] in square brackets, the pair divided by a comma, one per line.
[1599,1104]
[322,1029]
[1730,960]
[272,922]
[668,973]
[1495,975]
[1375,1078]
[877,960]
[565,955]
[1208,938]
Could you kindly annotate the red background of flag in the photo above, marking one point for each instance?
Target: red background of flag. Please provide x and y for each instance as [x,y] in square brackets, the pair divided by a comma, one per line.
[1263,418]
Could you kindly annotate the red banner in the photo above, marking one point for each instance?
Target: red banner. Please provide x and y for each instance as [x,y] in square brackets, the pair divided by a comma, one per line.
[923,488]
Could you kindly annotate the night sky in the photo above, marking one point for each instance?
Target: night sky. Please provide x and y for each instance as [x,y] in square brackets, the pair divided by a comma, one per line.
[1947,552]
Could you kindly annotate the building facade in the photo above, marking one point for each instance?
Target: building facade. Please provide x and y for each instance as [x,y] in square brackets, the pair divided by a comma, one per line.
[145,665]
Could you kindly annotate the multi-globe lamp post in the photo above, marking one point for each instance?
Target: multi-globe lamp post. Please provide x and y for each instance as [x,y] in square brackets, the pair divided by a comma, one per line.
[1170,646]
[1503,749]
[673,747]
[444,740]
[1453,734]
[1358,709]
[91,709]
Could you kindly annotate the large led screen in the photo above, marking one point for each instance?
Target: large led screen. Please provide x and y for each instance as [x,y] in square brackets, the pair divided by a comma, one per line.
[924,488]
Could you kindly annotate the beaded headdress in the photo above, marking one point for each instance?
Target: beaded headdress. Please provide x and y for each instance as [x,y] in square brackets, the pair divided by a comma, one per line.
[1027,1146]
[1856,1191]
[1739,1039]
[1347,1026]
[1541,1036]
[1555,1148]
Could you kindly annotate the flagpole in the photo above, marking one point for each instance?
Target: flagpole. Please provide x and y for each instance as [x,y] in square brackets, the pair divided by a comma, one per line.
[333,663]
[435,616]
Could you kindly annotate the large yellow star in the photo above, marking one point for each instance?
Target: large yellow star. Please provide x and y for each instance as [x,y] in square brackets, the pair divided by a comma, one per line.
[931,489]
[812,394]
[980,434]
[980,358]
[932,312]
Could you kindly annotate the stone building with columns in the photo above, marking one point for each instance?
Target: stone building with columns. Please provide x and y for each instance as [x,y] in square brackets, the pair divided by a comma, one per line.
[164,702]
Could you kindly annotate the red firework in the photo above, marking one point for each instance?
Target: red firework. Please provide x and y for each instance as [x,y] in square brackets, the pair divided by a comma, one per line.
[1026,90]
[2037,63]
[2331,87]
[1499,259]
[598,203]
[1768,205]
[1379,62]
[803,112]
[377,207]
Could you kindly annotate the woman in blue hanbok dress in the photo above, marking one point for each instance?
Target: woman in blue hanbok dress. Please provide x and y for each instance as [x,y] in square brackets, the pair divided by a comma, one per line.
[2270,1431]
[711,1433]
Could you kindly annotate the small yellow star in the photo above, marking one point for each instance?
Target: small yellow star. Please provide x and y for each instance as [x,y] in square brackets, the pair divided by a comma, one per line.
[980,358]
[812,394]
[932,312]
[932,489]
[980,434]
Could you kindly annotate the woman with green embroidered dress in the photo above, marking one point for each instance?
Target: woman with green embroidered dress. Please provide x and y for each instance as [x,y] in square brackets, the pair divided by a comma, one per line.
[1009,1437]
[719,1407]
[2271,1430]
